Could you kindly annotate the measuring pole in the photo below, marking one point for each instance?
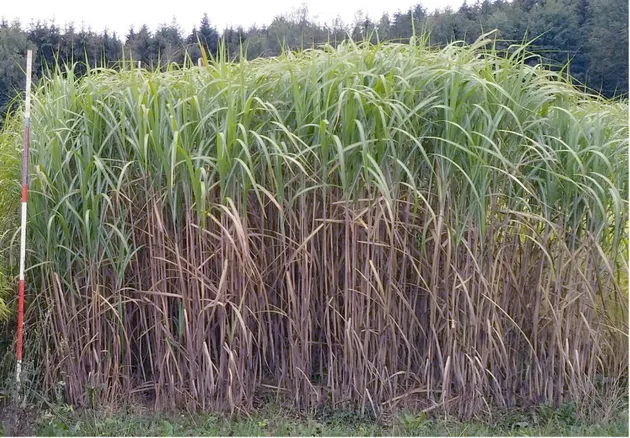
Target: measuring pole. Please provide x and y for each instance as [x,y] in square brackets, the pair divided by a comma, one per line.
[27,126]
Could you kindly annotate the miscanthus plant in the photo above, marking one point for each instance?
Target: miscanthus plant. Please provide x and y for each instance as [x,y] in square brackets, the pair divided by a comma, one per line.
[366,226]
[10,196]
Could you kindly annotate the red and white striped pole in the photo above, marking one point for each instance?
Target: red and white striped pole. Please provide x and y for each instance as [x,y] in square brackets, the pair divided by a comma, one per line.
[27,126]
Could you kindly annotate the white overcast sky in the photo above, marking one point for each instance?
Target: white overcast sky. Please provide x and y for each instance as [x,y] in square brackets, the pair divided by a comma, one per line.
[119,15]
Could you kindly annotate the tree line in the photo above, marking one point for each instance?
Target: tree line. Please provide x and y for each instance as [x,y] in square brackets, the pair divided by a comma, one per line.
[589,38]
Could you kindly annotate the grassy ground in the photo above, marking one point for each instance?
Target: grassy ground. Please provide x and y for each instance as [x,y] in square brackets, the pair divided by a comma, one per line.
[274,421]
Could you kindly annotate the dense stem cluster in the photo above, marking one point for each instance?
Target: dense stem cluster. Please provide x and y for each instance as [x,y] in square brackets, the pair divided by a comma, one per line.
[363,226]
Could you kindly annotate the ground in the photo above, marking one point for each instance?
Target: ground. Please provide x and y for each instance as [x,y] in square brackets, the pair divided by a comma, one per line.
[61,420]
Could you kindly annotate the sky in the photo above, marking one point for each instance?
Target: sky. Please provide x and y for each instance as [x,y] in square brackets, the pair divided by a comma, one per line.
[119,15]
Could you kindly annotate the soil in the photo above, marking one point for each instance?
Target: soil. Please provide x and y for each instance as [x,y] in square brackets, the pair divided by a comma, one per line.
[16,420]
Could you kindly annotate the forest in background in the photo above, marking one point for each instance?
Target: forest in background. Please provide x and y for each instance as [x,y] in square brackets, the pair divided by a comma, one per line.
[588,36]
